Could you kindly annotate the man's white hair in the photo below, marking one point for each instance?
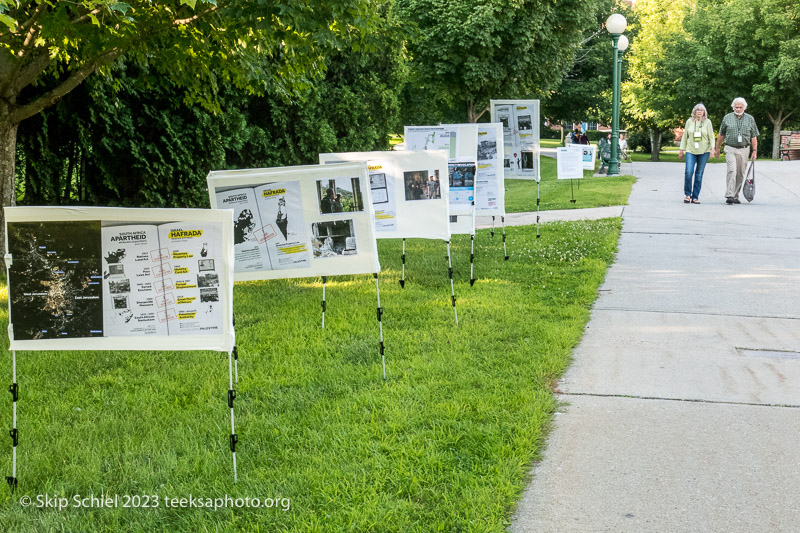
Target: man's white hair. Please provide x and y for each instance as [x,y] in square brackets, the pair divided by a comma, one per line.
[739,100]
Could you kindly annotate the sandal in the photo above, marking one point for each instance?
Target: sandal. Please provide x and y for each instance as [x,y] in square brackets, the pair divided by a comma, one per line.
[687,199]
[695,201]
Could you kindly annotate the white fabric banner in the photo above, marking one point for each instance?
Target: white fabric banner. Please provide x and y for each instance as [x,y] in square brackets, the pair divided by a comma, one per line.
[460,141]
[102,278]
[409,192]
[296,222]
[489,178]
[520,120]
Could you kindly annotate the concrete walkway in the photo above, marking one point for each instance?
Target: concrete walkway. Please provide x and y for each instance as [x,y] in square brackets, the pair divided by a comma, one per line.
[682,406]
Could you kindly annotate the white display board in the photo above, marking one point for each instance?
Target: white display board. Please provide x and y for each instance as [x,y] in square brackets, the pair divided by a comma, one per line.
[409,192]
[520,120]
[489,177]
[461,144]
[588,155]
[101,278]
[295,222]
[569,160]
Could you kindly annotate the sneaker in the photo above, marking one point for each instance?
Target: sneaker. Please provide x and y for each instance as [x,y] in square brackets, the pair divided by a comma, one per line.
[729,200]
[736,201]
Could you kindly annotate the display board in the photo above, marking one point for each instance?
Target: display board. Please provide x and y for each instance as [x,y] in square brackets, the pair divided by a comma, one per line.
[408,190]
[520,120]
[294,222]
[569,161]
[489,182]
[97,278]
[588,155]
[461,144]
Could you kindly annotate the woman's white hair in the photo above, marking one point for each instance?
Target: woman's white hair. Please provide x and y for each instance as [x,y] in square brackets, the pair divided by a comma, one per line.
[697,108]
[739,100]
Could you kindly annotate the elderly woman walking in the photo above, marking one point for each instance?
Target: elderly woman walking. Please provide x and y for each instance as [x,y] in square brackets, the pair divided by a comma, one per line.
[697,143]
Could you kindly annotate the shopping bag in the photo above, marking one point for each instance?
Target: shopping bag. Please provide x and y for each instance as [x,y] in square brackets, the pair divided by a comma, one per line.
[749,187]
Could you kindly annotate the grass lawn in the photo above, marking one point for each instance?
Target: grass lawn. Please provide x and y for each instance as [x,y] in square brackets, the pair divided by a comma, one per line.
[444,444]
[591,191]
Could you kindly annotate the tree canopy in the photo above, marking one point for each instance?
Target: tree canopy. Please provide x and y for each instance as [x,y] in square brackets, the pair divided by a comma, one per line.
[466,52]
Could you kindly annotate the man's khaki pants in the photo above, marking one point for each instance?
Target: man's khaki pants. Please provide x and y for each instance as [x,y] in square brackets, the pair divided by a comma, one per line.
[736,160]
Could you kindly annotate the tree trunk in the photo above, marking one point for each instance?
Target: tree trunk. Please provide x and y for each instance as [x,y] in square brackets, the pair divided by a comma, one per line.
[777,124]
[472,113]
[655,143]
[8,156]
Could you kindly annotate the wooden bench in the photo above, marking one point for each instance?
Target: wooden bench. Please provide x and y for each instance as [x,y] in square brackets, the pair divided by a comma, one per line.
[790,146]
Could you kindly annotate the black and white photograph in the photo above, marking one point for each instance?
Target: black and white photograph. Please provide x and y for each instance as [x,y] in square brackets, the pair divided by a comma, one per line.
[527,160]
[209,295]
[209,279]
[333,239]
[205,264]
[422,185]
[487,150]
[524,122]
[120,301]
[380,192]
[340,195]
[119,286]
[503,115]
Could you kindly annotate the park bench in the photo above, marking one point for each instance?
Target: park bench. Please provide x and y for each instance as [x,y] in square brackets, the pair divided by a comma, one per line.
[786,148]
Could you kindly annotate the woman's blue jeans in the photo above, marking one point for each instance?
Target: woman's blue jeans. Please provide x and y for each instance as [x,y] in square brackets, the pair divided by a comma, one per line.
[695,165]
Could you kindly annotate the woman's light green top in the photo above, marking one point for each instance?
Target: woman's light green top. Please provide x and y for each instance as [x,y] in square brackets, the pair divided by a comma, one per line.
[705,142]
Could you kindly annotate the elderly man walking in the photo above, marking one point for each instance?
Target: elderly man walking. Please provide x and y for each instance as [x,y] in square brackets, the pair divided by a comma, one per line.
[738,131]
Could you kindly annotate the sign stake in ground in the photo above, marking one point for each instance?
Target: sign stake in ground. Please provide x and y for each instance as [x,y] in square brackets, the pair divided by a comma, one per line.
[403,259]
[452,286]
[380,324]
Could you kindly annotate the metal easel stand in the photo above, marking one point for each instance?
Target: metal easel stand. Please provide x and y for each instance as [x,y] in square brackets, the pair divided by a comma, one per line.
[234,439]
[538,201]
[403,257]
[324,279]
[472,251]
[452,285]
[14,390]
[505,250]
[380,324]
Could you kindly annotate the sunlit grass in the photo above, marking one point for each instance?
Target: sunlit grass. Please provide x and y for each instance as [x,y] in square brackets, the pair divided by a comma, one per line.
[444,444]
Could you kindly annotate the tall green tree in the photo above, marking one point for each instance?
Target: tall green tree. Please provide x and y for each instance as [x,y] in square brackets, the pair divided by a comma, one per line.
[49,47]
[748,48]
[648,95]
[466,52]
[585,91]
[129,138]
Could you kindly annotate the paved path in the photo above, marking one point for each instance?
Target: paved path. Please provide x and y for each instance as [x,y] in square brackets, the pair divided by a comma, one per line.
[682,406]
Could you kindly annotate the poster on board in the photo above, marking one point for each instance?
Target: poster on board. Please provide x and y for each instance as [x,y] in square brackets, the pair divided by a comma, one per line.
[520,120]
[588,156]
[303,221]
[569,161]
[409,191]
[460,142]
[489,175]
[124,279]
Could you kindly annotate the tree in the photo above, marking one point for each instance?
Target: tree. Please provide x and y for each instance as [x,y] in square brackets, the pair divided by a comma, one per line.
[648,94]
[748,48]
[585,91]
[129,139]
[466,52]
[49,47]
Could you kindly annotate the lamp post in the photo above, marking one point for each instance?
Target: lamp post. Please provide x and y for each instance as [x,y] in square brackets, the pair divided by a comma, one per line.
[615,24]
